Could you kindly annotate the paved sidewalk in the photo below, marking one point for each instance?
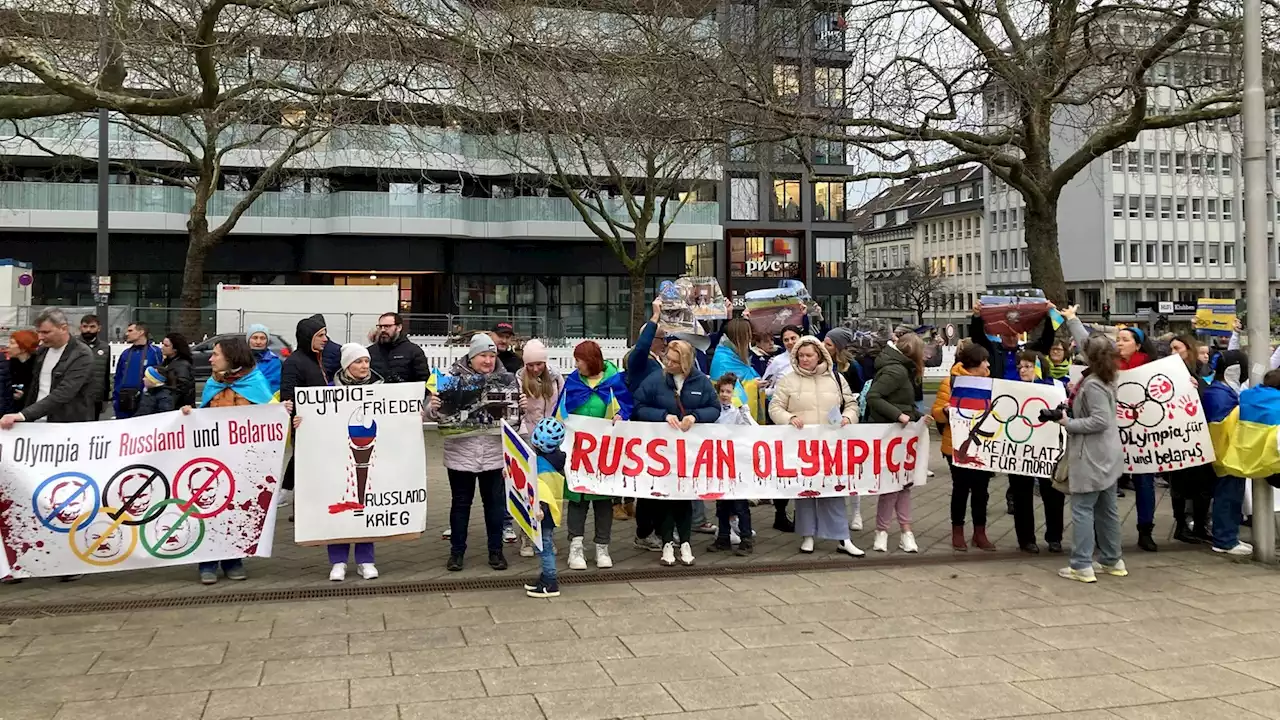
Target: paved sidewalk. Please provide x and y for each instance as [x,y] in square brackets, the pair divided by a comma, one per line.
[294,567]
[1184,636]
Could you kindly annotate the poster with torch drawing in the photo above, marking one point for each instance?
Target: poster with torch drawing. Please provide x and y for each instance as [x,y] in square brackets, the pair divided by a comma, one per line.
[360,463]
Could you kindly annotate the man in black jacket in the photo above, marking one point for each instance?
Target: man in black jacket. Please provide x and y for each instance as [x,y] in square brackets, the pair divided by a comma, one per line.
[62,379]
[91,336]
[394,356]
[503,336]
[305,367]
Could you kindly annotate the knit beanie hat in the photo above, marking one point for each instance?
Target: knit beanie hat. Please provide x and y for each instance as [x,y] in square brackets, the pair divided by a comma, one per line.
[481,343]
[840,337]
[255,329]
[535,351]
[152,377]
[352,352]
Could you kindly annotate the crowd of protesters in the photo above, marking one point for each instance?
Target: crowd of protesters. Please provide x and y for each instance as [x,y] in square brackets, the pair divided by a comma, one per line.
[810,375]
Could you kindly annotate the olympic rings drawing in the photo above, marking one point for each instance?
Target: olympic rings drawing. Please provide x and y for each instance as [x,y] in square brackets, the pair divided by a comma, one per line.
[1141,405]
[1004,411]
[138,504]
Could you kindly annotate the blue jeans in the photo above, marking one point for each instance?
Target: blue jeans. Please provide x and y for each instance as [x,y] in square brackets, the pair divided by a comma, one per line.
[1228,502]
[699,513]
[1092,513]
[1144,487]
[548,552]
[226,566]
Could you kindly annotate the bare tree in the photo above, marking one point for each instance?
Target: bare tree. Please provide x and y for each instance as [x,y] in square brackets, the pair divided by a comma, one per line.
[302,79]
[919,288]
[1035,91]
[63,56]
[596,106]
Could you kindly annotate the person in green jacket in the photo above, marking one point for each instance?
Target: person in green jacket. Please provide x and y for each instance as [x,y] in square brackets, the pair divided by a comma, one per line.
[895,390]
[595,389]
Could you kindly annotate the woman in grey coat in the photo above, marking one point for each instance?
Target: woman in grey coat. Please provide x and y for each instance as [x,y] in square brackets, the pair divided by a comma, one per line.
[1095,460]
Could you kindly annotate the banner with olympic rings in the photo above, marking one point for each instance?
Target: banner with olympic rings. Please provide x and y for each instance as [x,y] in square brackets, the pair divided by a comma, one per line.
[1162,421]
[996,426]
[145,492]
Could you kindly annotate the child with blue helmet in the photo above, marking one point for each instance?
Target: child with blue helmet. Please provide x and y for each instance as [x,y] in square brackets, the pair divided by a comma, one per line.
[546,438]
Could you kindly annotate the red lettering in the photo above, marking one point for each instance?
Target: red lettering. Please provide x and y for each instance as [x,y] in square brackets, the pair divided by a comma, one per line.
[635,464]
[682,462]
[778,457]
[832,459]
[580,459]
[726,461]
[809,454]
[703,464]
[889,462]
[858,452]
[609,462]
[761,459]
[877,456]
[910,462]
[660,465]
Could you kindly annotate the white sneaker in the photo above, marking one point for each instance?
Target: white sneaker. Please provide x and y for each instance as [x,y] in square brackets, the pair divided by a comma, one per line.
[848,548]
[881,543]
[286,498]
[446,534]
[1119,570]
[1085,576]
[686,554]
[932,473]
[526,547]
[339,572]
[603,561]
[907,543]
[668,554]
[1240,549]
[733,527]
[576,559]
[806,544]
[368,571]
[855,523]
[509,534]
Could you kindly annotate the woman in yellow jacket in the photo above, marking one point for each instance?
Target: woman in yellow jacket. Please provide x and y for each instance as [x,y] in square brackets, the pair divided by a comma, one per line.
[967,484]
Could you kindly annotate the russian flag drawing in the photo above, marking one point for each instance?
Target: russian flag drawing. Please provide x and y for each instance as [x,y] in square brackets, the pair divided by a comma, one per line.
[972,394]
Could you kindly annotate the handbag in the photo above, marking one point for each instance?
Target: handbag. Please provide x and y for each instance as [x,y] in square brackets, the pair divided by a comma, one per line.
[1060,479]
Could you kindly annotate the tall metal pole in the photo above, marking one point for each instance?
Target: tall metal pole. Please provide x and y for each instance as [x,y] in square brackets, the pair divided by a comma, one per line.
[1257,252]
[102,287]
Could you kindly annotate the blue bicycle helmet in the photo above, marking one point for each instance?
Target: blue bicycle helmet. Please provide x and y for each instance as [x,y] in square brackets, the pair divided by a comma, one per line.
[547,435]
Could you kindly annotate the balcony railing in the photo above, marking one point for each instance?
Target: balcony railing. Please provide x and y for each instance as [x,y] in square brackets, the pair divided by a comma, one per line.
[82,197]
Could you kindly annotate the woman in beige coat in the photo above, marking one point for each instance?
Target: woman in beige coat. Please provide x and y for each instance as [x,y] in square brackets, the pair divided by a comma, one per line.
[814,395]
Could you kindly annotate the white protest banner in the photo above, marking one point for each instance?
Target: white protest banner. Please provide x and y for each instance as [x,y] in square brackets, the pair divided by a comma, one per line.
[732,462]
[1161,419]
[520,471]
[167,489]
[362,463]
[996,426]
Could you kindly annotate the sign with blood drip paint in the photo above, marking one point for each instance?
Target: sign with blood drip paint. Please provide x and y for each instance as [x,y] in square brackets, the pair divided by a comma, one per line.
[1162,422]
[361,463]
[167,489]
[732,462]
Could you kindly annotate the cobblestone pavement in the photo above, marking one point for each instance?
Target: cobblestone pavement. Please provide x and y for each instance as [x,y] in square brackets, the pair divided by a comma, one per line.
[1186,635]
[293,566]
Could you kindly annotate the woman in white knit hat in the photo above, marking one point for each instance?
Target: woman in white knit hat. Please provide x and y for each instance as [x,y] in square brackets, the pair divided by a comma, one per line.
[355,371]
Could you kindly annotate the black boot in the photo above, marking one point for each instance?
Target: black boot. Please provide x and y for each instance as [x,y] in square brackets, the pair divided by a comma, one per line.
[1201,531]
[781,522]
[1145,541]
[497,561]
[1182,531]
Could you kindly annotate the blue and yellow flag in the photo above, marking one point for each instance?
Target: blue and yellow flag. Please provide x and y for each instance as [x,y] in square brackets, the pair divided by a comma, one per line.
[550,488]
[1252,451]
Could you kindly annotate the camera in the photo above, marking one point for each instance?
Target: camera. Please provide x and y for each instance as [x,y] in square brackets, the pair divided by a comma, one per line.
[1053,414]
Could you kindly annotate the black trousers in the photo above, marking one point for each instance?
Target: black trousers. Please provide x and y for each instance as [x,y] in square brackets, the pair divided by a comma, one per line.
[1024,509]
[287,483]
[968,487]
[1194,485]
[647,516]
[675,516]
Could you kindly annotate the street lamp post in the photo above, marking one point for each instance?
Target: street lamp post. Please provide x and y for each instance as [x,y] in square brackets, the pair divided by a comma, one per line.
[102,282]
[1257,252]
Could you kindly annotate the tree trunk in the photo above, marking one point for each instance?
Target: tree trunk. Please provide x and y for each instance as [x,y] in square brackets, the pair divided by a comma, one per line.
[1041,232]
[189,323]
[639,308]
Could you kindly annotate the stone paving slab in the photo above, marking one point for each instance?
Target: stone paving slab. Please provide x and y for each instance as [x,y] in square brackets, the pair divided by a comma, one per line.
[296,567]
[778,655]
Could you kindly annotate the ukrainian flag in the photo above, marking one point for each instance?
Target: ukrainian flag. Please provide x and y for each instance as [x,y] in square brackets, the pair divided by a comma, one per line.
[1220,410]
[550,488]
[1252,450]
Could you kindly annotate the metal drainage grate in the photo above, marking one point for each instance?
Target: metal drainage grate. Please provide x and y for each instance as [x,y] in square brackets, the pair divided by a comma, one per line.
[511,581]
